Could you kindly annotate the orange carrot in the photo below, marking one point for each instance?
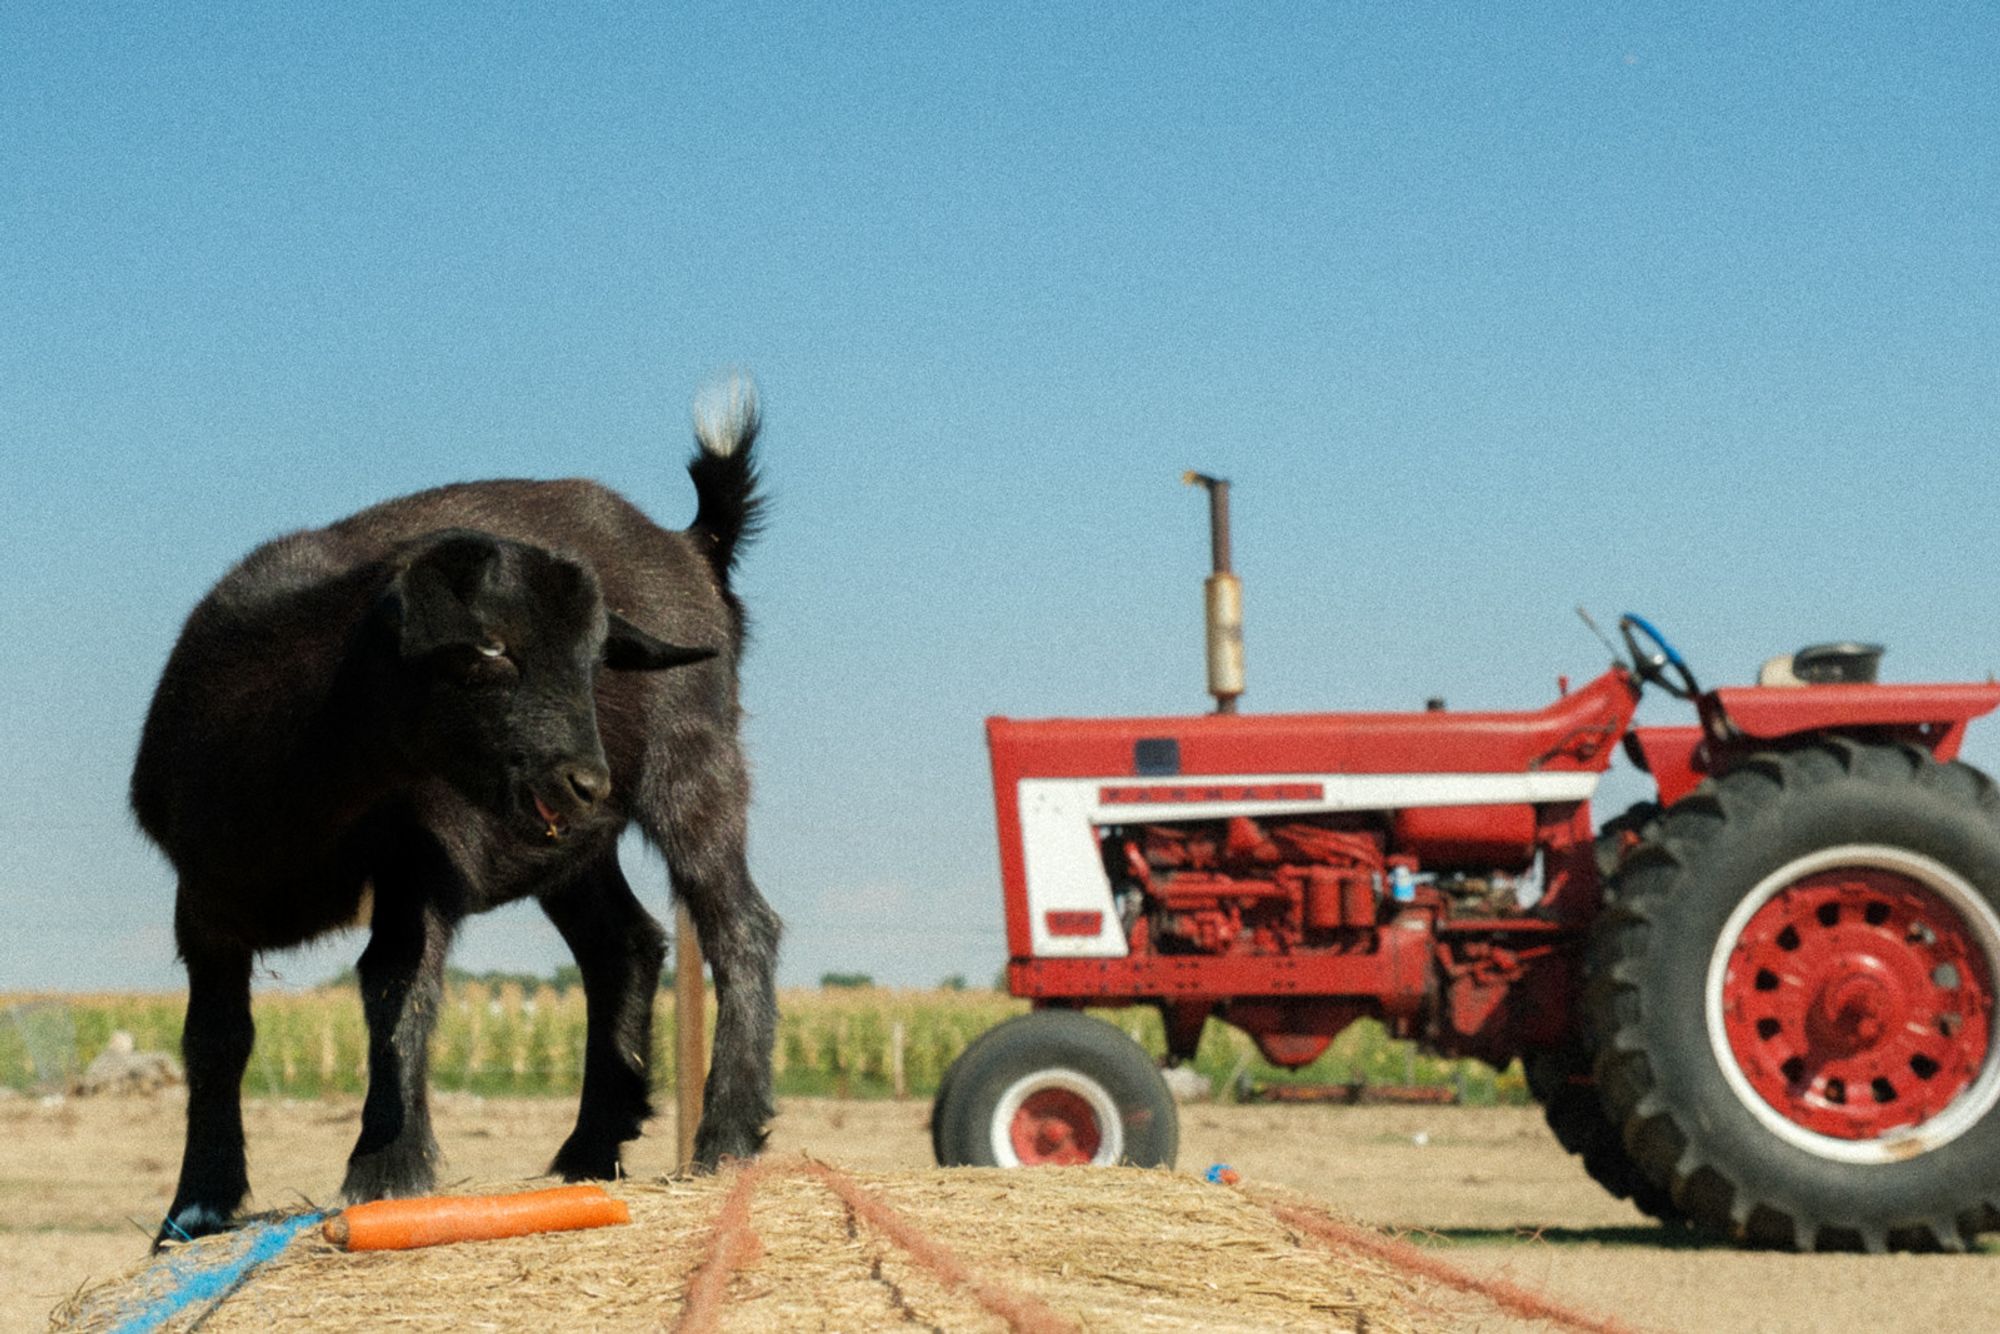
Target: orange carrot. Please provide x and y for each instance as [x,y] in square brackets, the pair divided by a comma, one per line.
[396,1225]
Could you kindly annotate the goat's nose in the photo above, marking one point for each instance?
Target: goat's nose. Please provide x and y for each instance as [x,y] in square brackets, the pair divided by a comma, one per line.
[589,785]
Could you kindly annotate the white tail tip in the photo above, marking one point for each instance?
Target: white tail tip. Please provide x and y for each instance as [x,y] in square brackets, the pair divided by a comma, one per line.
[725,414]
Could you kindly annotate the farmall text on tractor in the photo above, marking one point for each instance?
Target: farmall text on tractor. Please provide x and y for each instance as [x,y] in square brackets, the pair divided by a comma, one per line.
[1761,1005]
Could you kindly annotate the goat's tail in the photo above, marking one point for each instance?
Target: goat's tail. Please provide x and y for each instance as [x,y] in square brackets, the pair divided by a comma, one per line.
[728,511]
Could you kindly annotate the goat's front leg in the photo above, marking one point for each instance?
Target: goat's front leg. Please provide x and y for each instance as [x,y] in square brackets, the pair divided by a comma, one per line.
[402,983]
[618,948]
[215,1044]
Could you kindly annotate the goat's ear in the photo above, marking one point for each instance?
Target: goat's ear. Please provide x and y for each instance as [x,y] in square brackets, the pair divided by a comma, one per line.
[627,648]
[434,599]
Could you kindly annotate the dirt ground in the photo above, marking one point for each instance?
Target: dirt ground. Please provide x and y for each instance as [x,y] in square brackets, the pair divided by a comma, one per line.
[84,1181]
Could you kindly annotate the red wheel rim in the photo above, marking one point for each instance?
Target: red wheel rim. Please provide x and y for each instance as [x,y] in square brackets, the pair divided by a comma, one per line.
[1054,1127]
[1857,1003]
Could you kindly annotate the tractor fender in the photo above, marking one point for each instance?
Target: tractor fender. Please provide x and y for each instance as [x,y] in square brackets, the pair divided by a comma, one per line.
[1674,756]
[1932,716]
[1737,719]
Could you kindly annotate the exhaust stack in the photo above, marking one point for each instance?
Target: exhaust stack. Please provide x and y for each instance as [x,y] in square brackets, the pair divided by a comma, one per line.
[1223,594]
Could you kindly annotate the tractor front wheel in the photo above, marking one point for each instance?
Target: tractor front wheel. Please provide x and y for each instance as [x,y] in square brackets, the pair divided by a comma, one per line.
[1054,1088]
[1792,995]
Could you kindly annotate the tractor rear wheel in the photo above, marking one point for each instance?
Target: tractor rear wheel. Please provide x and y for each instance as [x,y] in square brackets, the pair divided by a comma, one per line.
[1561,1079]
[1620,834]
[1791,999]
[1562,1083]
[1054,1088]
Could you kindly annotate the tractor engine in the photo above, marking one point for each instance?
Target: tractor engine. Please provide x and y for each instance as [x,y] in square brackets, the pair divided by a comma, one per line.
[1240,887]
[1247,887]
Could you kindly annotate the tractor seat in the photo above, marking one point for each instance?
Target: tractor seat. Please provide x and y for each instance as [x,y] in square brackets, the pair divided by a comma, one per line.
[1845,663]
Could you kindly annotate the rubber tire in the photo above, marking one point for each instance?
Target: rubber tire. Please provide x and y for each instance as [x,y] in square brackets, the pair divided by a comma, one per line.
[1581,1125]
[1641,818]
[1645,999]
[970,1092]
[1570,1105]
[946,1082]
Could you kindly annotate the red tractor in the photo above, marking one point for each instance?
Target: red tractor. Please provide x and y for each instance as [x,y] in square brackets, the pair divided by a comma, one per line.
[1762,1005]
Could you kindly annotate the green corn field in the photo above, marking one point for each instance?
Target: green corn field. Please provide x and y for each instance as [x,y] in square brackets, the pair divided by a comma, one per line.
[510,1039]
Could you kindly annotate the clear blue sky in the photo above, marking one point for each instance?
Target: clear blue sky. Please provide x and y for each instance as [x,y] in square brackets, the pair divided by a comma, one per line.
[1692,310]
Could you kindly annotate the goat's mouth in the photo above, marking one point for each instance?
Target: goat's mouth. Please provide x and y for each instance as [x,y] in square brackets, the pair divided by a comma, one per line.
[554,824]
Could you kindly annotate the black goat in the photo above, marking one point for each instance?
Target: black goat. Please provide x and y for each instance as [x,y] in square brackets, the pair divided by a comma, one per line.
[441,704]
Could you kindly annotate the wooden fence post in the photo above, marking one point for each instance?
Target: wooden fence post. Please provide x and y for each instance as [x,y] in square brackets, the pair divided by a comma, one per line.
[690,1038]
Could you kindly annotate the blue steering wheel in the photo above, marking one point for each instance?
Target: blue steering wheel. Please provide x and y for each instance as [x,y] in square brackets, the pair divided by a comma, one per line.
[1654,664]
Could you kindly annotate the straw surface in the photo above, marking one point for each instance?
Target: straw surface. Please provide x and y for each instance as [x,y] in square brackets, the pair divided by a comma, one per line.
[816,1248]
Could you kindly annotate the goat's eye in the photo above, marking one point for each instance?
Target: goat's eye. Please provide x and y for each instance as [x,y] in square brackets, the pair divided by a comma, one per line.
[480,665]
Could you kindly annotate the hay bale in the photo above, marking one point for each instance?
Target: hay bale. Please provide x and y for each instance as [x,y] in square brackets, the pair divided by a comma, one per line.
[1097,1248]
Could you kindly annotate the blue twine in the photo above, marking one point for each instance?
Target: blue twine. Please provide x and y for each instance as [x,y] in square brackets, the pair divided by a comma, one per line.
[213,1281]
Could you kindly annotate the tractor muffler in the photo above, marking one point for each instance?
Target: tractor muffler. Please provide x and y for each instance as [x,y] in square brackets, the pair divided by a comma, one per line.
[1223,594]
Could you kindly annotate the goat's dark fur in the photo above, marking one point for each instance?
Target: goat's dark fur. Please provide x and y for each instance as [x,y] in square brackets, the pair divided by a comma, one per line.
[438,705]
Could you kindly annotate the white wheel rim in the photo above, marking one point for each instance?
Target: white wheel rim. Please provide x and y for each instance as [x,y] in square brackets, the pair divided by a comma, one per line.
[1110,1126]
[1905,1142]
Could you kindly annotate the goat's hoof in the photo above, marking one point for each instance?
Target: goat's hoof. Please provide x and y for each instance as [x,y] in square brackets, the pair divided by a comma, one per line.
[191,1221]
[391,1174]
[586,1162]
[740,1143]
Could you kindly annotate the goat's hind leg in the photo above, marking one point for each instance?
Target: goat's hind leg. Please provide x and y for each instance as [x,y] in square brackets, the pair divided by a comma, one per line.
[618,948]
[699,826]
[215,1045]
[402,984]
[739,937]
